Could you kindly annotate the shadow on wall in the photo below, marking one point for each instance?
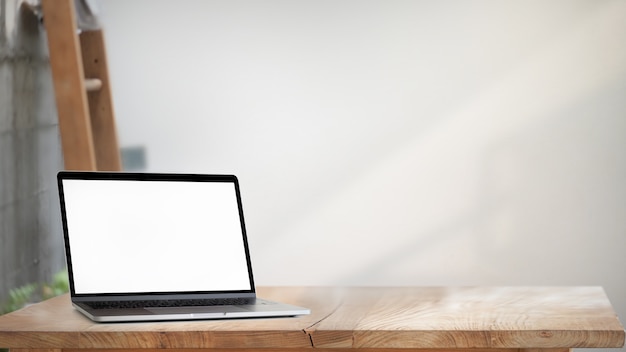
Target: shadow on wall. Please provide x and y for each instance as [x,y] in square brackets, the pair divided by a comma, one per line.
[533,188]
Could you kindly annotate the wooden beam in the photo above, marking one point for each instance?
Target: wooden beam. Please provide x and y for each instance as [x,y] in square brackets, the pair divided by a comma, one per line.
[69,86]
[100,101]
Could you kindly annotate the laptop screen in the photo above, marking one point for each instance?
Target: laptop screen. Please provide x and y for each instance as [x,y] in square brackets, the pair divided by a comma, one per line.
[132,233]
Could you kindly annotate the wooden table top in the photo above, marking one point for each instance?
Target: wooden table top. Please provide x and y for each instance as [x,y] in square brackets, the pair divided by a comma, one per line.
[376,317]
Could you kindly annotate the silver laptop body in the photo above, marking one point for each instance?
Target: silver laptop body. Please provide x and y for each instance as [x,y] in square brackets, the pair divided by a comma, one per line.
[153,247]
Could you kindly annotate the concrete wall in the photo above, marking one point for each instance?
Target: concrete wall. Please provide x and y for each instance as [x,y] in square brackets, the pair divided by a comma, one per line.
[31,248]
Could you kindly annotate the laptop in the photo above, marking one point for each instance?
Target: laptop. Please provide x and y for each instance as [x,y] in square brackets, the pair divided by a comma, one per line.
[155,247]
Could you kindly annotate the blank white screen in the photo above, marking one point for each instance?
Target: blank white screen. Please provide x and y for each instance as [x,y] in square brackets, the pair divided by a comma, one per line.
[154,236]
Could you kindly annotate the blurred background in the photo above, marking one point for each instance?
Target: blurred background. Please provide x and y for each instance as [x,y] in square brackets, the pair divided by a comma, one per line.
[391,142]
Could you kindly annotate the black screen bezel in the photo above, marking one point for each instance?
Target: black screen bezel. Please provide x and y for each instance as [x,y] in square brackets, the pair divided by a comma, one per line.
[147,177]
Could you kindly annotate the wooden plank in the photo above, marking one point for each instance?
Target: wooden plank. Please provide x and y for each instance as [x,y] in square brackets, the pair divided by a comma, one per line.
[55,322]
[541,350]
[69,87]
[317,350]
[100,100]
[514,319]
[472,317]
[244,338]
[36,350]
[42,326]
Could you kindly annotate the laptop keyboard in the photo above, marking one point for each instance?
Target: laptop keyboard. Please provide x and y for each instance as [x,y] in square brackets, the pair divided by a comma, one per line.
[170,303]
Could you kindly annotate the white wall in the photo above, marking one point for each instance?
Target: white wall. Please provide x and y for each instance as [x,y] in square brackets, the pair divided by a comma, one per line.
[393,142]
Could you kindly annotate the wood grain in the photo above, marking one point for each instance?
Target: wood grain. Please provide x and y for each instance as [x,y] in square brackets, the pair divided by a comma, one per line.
[481,319]
[104,130]
[36,350]
[318,350]
[521,317]
[69,86]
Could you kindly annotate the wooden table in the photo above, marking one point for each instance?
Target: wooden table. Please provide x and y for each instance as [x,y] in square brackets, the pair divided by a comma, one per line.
[477,318]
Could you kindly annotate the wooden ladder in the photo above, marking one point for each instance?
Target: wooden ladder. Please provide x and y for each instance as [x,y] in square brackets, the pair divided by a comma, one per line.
[82,91]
